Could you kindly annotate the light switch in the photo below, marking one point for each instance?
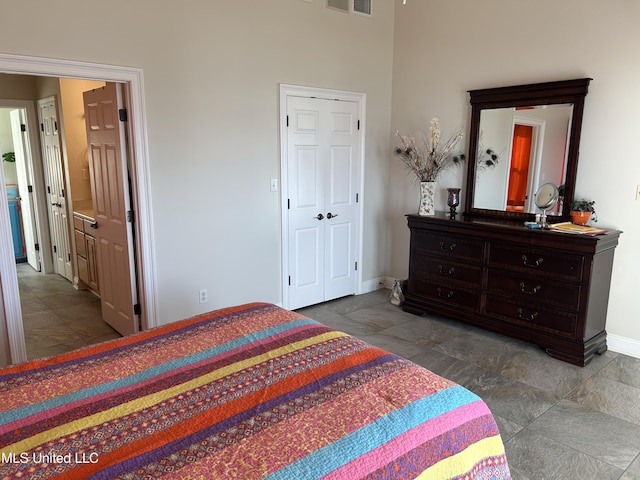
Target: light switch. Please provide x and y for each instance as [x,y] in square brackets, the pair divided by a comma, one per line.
[274,184]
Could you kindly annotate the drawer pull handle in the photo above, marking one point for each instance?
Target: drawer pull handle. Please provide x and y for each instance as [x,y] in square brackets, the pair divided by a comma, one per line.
[533,291]
[448,295]
[448,272]
[537,263]
[529,318]
[450,247]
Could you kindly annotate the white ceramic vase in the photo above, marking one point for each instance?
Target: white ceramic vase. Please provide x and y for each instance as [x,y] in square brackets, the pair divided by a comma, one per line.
[427,198]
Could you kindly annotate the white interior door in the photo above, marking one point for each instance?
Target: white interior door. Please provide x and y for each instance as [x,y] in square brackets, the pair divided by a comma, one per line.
[323,150]
[54,179]
[111,207]
[22,150]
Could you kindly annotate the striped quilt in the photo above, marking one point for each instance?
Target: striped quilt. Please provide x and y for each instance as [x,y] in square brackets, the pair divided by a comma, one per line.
[252,391]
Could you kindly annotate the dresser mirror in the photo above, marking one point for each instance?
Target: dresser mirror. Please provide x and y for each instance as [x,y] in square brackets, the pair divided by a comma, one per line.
[521,138]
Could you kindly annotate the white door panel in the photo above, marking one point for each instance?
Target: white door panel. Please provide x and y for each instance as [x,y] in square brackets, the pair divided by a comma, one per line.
[322,173]
[22,149]
[308,277]
[54,178]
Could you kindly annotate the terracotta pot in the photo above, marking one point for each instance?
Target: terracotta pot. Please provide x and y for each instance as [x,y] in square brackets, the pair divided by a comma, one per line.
[580,218]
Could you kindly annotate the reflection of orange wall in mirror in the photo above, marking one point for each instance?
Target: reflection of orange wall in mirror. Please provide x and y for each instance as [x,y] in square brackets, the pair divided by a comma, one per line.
[520,157]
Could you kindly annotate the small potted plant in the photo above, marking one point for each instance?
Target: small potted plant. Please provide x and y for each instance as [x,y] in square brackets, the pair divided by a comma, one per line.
[582,211]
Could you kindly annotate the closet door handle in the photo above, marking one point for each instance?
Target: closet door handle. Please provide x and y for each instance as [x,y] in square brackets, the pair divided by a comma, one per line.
[94,225]
[331,215]
[319,216]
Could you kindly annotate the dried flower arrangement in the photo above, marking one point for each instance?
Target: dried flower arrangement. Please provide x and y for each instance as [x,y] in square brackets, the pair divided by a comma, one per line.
[429,159]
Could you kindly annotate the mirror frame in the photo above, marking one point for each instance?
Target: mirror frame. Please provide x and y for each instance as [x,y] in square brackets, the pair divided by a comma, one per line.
[548,93]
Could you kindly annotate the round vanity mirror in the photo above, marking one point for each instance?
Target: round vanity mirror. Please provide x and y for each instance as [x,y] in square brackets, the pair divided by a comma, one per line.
[546,196]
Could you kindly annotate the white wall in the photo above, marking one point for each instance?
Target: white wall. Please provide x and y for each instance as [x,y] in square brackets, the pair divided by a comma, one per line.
[443,49]
[212,71]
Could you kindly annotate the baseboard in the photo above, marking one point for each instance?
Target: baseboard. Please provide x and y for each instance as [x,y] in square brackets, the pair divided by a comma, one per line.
[624,345]
[377,284]
[373,285]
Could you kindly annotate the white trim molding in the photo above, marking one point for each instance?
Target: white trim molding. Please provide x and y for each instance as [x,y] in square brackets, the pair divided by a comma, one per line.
[133,77]
[624,345]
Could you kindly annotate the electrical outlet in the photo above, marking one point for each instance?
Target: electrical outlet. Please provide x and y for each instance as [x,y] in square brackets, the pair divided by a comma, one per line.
[203,296]
[638,193]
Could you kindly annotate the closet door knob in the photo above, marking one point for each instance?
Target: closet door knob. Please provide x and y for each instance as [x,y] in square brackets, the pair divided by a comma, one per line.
[320,216]
[331,215]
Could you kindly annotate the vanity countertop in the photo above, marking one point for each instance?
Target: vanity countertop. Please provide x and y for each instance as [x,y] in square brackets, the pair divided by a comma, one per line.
[85,213]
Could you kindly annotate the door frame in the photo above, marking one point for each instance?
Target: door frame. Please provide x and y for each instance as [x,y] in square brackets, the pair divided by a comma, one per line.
[133,80]
[287,90]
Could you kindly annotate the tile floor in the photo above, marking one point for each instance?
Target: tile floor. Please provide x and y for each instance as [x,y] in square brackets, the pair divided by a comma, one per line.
[558,421]
[56,317]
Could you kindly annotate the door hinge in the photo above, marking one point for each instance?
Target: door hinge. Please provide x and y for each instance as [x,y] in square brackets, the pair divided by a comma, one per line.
[130,216]
[55,249]
[30,188]
[358,124]
[42,127]
[37,247]
[288,204]
[123,114]
[68,257]
[62,193]
[357,197]
[23,127]
[136,309]
[289,280]
[48,189]
[55,126]
[356,266]
[287,120]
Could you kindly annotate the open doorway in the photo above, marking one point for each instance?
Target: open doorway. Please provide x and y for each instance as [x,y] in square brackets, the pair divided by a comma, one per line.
[134,97]
[58,314]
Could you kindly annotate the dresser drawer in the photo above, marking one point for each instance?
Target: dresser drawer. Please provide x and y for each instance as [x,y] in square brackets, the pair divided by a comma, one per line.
[444,269]
[532,289]
[445,293]
[533,316]
[451,246]
[531,260]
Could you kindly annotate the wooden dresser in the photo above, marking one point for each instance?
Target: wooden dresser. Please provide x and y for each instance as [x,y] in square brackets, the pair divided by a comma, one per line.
[540,286]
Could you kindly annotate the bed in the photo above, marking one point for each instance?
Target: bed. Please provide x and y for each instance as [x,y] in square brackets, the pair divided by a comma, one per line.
[251,391]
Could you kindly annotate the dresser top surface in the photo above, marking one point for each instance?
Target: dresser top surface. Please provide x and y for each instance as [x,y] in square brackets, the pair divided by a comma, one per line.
[506,230]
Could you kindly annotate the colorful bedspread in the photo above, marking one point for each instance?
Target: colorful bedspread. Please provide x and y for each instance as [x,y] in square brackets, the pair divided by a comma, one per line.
[253,391]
